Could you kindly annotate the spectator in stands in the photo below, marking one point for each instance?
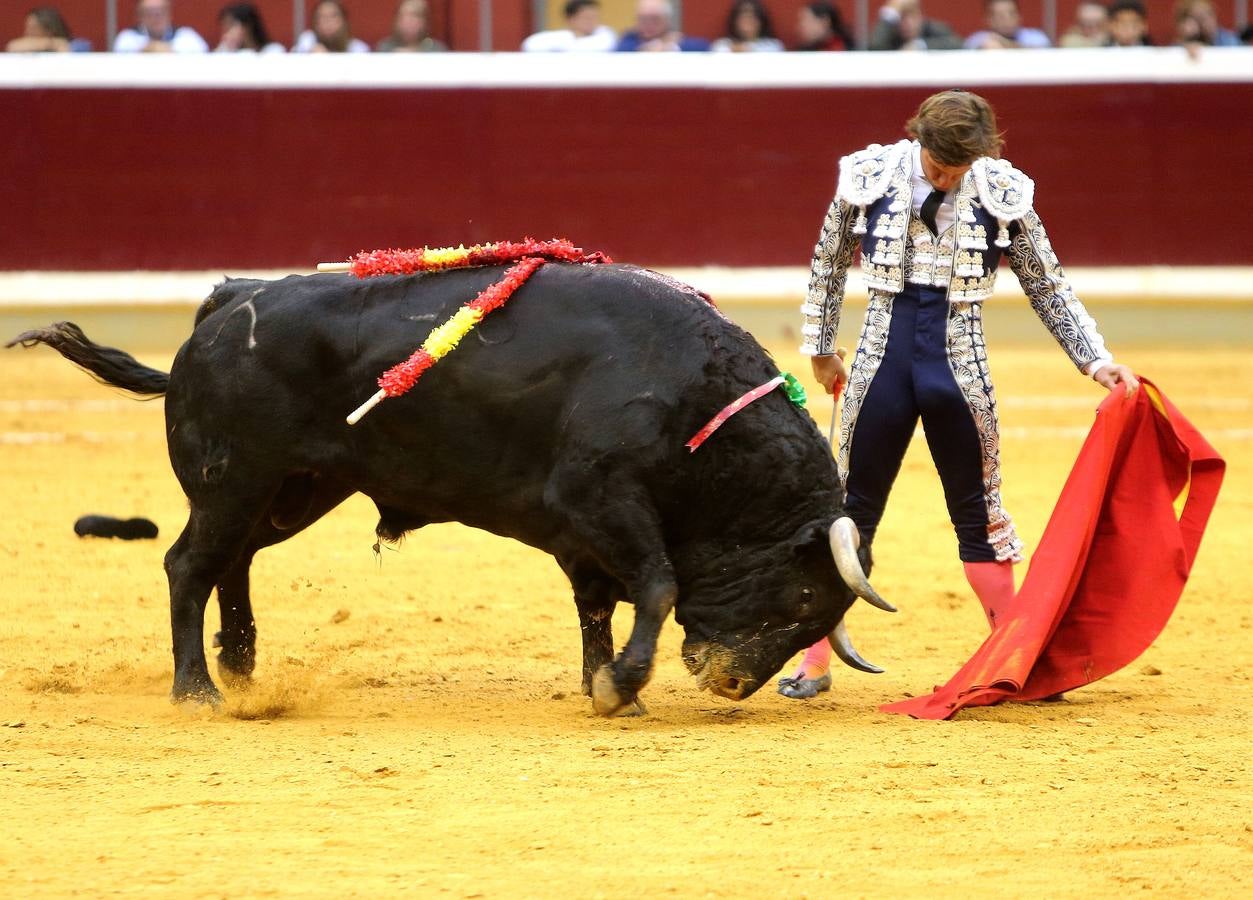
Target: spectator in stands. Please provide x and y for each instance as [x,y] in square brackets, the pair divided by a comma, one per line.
[243,31]
[155,32]
[902,26]
[1246,36]
[1003,29]
[1208,17]
[1128,24]
[411,31]
[748,30]
[330,32]
[819,26]
[1091,27]
[45,31]
[583,32]
[1196,22]
[655,32]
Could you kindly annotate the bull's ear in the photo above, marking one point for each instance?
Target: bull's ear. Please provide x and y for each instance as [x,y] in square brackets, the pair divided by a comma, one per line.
[808,534]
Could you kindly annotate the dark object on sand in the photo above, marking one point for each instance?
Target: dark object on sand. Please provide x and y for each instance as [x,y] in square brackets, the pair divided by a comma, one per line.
[109,527]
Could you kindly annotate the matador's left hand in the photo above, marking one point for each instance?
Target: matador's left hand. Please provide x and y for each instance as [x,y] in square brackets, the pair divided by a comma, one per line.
[1112,375]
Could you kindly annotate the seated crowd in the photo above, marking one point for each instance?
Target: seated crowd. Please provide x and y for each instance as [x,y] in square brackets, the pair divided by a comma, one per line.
[819,26]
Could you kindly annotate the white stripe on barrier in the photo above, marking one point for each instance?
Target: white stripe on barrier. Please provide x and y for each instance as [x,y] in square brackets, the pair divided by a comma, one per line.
[1140,284]
[1149,65]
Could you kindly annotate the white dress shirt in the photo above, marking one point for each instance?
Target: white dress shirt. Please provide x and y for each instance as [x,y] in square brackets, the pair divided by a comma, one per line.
[944,216]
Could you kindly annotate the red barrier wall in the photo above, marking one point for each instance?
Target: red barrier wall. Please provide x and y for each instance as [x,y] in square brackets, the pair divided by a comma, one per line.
[142,178]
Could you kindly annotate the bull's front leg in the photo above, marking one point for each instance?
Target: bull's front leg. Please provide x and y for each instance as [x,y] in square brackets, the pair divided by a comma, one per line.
[596,625]
[617,525]
[595,596]
[616,687]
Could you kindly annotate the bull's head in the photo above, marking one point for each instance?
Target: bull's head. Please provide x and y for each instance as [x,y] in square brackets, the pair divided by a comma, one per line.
[751,613]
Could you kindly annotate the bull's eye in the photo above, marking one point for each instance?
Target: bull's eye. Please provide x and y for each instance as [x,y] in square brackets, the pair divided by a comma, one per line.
[806,601]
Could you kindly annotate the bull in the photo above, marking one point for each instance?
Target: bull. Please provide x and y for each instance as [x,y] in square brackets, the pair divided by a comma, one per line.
[559,422]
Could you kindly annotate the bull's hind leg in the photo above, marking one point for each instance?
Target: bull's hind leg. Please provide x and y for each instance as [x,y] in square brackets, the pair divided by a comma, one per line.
[301,501]
[211,544]
[238,637]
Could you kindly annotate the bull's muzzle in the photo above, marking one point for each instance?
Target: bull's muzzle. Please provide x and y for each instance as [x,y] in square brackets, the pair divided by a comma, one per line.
[729,686]
[713,667]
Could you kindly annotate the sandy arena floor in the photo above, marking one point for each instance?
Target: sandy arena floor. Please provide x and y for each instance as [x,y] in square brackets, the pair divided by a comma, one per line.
[417,726]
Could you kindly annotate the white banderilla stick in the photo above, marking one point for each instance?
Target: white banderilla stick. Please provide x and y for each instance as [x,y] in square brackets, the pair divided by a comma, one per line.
[355,416]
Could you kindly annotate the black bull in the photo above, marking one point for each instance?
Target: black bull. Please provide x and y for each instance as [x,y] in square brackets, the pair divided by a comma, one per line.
[560,421]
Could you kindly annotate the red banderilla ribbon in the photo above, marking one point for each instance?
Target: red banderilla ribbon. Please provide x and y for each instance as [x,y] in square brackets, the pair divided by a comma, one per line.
[731,409]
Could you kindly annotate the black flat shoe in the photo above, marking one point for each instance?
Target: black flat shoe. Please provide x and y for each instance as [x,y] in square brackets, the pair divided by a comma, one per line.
[804,688]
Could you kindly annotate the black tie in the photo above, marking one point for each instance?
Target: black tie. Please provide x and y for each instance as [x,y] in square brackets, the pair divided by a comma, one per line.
[930,207]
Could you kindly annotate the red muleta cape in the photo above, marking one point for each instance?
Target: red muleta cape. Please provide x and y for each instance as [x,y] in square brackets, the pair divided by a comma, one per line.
[1110,566]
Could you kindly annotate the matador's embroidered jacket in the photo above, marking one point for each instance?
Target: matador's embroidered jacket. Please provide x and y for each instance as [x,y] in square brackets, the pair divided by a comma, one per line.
[993,212]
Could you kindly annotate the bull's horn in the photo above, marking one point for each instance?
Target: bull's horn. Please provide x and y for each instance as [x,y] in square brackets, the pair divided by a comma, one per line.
[847,653]
[844,540]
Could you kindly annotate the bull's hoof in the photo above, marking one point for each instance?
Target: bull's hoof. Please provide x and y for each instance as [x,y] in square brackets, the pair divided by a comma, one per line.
[235,663]
[607,701]
[605,698]
[234,673]
[632,710]
[197,694]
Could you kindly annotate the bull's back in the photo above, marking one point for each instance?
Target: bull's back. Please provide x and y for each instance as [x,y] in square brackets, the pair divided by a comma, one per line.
[598,356]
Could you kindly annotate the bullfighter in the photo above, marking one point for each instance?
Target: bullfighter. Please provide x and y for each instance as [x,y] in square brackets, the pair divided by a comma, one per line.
[932,215]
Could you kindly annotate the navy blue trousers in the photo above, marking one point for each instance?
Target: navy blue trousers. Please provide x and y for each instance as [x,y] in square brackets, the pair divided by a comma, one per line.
[915,381]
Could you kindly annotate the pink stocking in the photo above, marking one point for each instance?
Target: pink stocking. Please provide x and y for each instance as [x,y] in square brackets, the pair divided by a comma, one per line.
[993,584]
[817,660]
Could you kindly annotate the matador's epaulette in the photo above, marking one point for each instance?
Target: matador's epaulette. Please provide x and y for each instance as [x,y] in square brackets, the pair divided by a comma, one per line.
[1004,191]
[865,175]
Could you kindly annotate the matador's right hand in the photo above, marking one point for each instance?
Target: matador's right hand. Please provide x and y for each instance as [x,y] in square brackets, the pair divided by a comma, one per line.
[829,371]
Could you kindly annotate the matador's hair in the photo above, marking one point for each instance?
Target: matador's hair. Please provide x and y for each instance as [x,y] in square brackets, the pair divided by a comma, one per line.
[956,128]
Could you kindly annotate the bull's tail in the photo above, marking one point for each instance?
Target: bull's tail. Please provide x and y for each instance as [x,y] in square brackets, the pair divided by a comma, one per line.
[106,364]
